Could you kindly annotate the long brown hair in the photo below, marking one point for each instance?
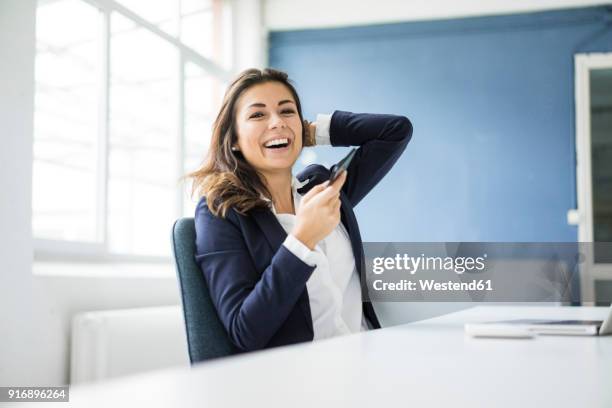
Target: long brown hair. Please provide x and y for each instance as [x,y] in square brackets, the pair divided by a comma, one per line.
[226,178]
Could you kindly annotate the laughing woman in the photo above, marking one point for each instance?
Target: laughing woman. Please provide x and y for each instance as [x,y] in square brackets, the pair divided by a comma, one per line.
[282,256]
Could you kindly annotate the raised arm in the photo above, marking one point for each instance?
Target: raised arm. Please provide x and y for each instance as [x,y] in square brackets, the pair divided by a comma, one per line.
[381,140]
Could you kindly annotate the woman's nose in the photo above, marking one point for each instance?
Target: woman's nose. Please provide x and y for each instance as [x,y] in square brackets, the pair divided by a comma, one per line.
[276,121]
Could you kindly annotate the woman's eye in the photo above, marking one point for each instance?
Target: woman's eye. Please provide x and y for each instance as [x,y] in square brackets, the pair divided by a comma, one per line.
[287,111]
[256,115]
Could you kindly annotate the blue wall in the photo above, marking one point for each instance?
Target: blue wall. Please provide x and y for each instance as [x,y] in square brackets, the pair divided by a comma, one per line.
[491,101]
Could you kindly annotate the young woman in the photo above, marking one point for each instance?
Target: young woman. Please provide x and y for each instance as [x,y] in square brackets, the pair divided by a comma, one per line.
[282,256]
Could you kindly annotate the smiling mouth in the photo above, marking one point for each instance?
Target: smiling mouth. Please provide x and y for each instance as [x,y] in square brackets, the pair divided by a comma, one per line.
[280,144]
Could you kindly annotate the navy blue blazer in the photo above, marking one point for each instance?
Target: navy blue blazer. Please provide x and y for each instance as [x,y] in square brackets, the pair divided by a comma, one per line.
[257,285]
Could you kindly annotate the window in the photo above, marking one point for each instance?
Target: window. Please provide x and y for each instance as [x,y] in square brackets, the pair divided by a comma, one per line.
[125,97]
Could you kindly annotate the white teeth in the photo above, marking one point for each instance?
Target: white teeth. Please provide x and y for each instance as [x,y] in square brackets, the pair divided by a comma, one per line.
[277,142]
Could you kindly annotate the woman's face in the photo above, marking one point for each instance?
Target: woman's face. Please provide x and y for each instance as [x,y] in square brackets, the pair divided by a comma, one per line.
[269,128]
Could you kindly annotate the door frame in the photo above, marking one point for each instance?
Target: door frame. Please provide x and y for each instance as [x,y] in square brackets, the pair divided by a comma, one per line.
[583,217]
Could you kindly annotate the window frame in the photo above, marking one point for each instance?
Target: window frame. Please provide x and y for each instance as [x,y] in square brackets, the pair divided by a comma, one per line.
[62,250]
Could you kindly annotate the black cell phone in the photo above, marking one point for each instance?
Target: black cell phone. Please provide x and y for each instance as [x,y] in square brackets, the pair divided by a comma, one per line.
[341,165]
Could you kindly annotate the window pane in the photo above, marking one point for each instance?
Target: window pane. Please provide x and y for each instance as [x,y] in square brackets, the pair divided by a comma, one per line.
[194,6]
[163,13]
[203,95]
[206,28]
[143,137]
[197,32]
[68,39]
[203,25]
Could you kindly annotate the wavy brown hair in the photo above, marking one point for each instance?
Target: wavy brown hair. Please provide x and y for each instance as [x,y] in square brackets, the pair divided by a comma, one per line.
[226,179]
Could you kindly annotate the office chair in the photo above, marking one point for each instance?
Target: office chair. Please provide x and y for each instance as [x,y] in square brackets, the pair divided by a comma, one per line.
[206,335]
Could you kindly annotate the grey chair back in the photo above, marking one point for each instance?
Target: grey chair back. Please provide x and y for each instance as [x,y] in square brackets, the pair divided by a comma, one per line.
[206,336]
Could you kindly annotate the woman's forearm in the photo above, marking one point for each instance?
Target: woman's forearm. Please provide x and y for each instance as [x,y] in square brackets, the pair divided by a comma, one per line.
[357,129]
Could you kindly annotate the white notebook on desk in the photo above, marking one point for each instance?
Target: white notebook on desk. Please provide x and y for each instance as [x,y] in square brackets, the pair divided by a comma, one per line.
[531,327]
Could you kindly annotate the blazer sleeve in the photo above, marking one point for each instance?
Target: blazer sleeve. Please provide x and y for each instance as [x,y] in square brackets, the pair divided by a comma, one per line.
[251,305]
[381,140]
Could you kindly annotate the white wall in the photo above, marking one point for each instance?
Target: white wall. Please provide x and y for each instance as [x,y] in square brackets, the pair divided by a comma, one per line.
[250,48]
[22,359]
[298,14]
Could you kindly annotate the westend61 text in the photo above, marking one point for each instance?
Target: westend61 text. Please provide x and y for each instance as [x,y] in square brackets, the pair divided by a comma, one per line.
[432,285]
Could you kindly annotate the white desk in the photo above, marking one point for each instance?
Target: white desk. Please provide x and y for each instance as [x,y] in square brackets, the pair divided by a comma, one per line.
[426,364]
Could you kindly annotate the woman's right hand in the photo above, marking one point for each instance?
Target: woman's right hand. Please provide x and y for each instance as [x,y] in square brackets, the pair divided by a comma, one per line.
[319,212]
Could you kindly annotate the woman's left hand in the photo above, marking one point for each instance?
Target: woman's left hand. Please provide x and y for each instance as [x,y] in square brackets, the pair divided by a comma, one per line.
[310,132]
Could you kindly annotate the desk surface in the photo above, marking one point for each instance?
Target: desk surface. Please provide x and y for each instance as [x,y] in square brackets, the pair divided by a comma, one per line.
[429,363]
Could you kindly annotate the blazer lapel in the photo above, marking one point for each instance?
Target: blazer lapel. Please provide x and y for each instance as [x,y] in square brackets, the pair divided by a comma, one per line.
[350,223]
[273,231]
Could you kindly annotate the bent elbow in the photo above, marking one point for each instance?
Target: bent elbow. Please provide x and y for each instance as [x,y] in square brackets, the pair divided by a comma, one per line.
[400,131]
[404,127]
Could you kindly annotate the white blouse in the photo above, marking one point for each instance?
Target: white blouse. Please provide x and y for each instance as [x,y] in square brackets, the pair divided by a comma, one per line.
[333,288]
